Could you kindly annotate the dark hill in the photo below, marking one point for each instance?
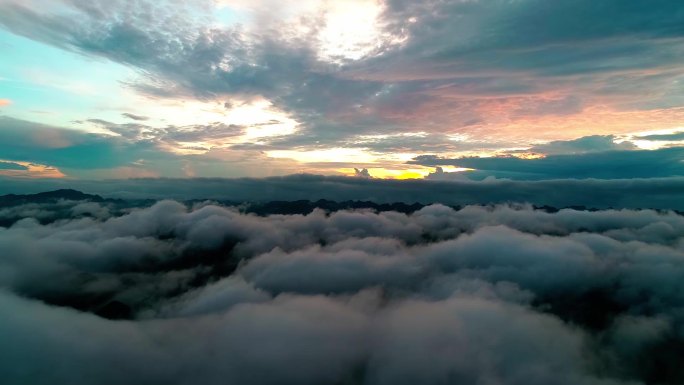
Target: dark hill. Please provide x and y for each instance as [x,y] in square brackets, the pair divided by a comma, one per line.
[48,197]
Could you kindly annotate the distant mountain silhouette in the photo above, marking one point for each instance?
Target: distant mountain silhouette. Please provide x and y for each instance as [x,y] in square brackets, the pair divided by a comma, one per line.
[258,208]
[48,197]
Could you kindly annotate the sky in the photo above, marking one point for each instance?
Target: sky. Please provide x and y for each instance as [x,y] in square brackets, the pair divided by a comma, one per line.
[435,89]
[359,192]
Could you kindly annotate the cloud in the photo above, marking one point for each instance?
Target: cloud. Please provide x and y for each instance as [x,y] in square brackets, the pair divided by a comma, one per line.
[613,164]
[174,137]
[319,271]
[497,76]
[362,173]
[135,150]
[442,175]
[28,141]
[510,27]
[287,333]
[506,293]
[586,144]
[29,170]
[134,117]
[5,102]
[11,166]
[432,342]
[677,136]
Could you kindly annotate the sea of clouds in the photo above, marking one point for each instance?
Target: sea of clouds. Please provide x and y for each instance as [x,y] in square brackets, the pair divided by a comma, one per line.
[173,293]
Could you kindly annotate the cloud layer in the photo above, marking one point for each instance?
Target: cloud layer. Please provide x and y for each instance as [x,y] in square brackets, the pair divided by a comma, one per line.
[656,193]
[616,164]
[169,293]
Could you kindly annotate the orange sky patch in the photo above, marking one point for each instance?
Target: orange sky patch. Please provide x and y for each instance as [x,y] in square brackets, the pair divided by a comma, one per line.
[414,172]
[33,170]
[5,102]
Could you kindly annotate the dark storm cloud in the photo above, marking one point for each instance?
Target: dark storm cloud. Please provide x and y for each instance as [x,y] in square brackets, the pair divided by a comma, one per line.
[505,294]
[665,162]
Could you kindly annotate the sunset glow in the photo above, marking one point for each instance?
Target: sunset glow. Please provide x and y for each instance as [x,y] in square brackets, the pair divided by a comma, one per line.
[222,87]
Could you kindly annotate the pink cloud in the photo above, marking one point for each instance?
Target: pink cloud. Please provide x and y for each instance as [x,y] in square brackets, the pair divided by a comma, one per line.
[5,102]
